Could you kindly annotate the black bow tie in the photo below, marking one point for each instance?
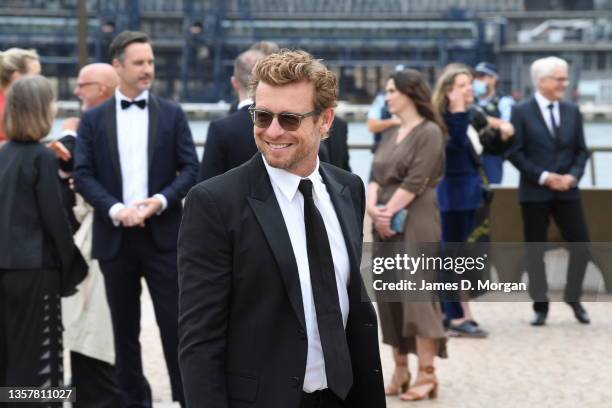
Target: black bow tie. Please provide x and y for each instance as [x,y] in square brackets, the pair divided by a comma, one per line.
[142,103]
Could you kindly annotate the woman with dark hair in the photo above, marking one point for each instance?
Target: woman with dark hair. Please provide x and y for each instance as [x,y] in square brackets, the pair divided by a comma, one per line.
[407,166]
[38,258]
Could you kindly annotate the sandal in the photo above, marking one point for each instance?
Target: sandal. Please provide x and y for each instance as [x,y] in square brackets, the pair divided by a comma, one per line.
[427,387]
[399,382]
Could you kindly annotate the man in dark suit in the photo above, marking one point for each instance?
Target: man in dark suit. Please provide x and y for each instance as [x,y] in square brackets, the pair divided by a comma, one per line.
[550,153]
[135,161]
[271,310]
[229,141]
[334,149]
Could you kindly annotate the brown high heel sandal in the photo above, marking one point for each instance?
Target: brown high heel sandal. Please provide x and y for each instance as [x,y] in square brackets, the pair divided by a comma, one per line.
[398,386]
[424,388]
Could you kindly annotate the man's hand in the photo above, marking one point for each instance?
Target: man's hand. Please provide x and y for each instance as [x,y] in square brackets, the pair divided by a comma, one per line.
[70,124]
[60,150]
[148,207]
[130,217]
[558,182]
[507,130]
[569,181]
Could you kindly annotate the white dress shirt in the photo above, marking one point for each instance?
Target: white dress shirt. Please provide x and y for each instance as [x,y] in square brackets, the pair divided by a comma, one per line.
[291,203]
[246,102]
[132,143]
[543,104]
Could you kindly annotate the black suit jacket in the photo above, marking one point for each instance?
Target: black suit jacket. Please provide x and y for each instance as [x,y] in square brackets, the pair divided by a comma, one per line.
[173,169]
[229,143]
[241,320]
[34,228]
[536,150]
[334,149]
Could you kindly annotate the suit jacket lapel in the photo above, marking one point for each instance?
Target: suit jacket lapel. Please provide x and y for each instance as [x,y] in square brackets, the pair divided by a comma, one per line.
[111,134]
[538,113]
[270,218]
[563,118]
[343,204]
[153,107]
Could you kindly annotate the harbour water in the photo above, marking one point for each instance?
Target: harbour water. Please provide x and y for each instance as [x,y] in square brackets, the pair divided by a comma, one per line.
[597,134]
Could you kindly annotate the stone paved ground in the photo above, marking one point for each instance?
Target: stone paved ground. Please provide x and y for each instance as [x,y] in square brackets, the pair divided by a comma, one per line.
[562,365]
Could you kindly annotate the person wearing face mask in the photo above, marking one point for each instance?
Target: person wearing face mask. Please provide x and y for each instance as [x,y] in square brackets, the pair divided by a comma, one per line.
[498,109]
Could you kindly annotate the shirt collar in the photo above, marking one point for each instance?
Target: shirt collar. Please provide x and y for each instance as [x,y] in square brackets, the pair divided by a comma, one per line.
[119,96]
[246,102]
[288,182]
[543,102]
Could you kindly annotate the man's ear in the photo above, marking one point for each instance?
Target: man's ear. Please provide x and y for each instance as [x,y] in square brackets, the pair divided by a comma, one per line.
[327,118]
[234,83]
[116,63]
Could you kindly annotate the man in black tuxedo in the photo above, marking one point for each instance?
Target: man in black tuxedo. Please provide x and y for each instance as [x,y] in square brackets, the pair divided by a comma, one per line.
[550,153]
[229,141]
[135,161]
[271,311]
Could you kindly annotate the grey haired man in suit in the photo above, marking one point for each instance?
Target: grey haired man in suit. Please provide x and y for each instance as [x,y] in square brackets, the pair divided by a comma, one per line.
[550,153]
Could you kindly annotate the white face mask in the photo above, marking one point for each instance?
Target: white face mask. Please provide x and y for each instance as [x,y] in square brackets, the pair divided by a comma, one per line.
[479,88]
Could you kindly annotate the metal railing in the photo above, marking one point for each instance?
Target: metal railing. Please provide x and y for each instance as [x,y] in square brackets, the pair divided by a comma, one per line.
[592,151]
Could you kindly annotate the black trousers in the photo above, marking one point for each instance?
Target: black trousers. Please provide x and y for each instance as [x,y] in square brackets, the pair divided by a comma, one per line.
[95,382]
[30,331]
[139,257]
[321,399]
[569,217]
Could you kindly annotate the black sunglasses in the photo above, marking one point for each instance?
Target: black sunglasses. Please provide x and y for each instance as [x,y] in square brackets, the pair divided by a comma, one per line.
[287,120]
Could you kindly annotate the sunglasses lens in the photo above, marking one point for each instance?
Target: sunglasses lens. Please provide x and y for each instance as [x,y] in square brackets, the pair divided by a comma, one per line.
[288,121]
[262,119]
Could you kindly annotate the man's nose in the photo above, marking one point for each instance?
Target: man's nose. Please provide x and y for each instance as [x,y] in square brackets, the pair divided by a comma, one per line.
[275,129]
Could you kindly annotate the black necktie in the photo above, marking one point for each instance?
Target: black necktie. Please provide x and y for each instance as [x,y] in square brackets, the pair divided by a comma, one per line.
[325,292]
[553,122]
[141,103]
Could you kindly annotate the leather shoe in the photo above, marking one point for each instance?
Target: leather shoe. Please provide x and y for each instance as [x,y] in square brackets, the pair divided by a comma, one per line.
[581,314]
[539,319]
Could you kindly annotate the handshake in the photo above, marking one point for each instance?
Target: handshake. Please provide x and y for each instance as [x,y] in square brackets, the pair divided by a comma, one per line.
[559,182]
[136,215]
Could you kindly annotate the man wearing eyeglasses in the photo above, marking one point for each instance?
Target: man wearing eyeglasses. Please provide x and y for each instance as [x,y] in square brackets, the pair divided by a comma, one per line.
[85,315]
[271,311]
[550,153]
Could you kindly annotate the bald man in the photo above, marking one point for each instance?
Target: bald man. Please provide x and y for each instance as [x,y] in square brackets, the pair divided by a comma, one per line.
[229,141]
[86,315]
[95,84]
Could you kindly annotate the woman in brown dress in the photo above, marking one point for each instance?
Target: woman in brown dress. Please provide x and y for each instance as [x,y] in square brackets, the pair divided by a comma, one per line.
[407,166]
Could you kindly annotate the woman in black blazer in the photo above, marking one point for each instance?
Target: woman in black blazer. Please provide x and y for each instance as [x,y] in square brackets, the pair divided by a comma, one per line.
[37,252]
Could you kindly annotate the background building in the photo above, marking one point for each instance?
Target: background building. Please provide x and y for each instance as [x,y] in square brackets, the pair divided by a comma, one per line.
[197,40]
